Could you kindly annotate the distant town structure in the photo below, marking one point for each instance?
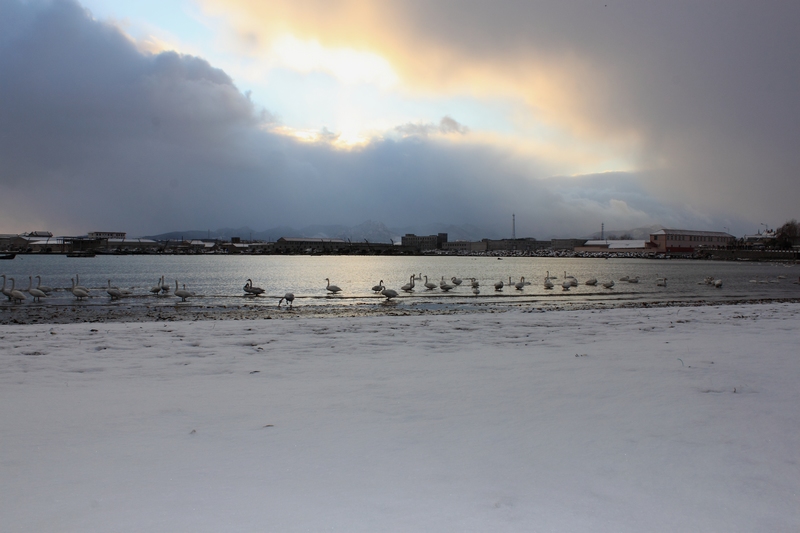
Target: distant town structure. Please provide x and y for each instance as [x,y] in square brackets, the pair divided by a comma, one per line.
[685,241]
[106,235]
[422,243]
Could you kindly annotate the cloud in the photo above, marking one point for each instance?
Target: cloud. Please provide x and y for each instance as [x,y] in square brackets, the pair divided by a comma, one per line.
[96,135]
[699,99]
[446,126]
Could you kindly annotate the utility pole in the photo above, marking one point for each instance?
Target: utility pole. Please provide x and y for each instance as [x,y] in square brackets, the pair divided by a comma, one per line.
[513,226]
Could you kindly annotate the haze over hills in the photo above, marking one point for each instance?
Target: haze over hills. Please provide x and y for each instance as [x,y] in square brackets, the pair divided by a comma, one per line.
[370,230]
[373,231]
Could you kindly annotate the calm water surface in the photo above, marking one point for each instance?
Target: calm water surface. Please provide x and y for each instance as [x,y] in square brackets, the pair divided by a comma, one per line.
[218,279]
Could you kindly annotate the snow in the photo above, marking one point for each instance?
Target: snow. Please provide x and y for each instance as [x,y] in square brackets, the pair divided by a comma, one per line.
[623,420]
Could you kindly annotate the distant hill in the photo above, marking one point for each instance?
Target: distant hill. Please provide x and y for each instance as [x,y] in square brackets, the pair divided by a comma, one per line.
[370,230]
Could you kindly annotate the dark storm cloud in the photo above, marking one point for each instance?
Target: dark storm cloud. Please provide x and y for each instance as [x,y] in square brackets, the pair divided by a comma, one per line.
[95,135]
[709,88]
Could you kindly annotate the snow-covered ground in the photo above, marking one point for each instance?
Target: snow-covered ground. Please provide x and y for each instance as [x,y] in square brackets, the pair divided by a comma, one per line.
[669,419]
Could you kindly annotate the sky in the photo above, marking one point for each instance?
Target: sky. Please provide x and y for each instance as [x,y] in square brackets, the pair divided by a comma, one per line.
[148,117]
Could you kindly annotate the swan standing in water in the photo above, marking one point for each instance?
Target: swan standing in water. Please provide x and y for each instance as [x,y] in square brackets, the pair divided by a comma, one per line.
[565,285]
[78,284]
[332,288]
[408,287]
[476,290]
[499,285]
[114,292]
[43,288]
[79,293]
[36,293]
[289,297]
[429,284]
[182,293]
[157,287]
[547,283]
[591,281]
[608,284]
[389,293]
[6,292]
[475,283]
[456,281]
[379,287]
[446,286]
[572,281]
[520,284]
[16,296]
[249,289]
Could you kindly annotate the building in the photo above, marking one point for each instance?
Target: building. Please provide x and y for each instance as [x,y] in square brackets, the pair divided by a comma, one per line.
[566,244]
[422,243]
[616,246]
[308,245]
[465,246]
[106,235]
[682,241]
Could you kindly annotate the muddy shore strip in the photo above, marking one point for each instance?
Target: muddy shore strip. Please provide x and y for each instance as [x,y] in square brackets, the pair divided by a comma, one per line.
[119,312]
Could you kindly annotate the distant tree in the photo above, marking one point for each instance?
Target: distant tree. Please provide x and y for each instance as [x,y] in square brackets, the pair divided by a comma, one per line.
[788,234]
[626,237]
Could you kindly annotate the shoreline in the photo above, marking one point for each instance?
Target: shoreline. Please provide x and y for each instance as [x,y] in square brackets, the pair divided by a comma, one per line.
[183,312]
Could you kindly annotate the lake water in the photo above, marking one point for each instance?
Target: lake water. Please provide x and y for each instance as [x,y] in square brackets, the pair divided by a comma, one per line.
[218,279]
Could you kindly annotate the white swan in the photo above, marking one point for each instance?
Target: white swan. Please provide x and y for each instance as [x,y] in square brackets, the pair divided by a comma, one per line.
[249,289]
[389,293]
[608,284]
[591,281]
[499,285]
[6,292]
[476,290]
[79,293]
[633,280]
[379,287]
[332,288]
[16,295]
[624,278]
[408,287]
[446,286]
[566,284]
[155,289]
[36,293]
[78,284]
[456,281]
[520,284]
[429,284]
[717,283]
[572,281]
[475,283]
[182,293]
[547,283]
[43,288]
[289,297]
[114,292]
